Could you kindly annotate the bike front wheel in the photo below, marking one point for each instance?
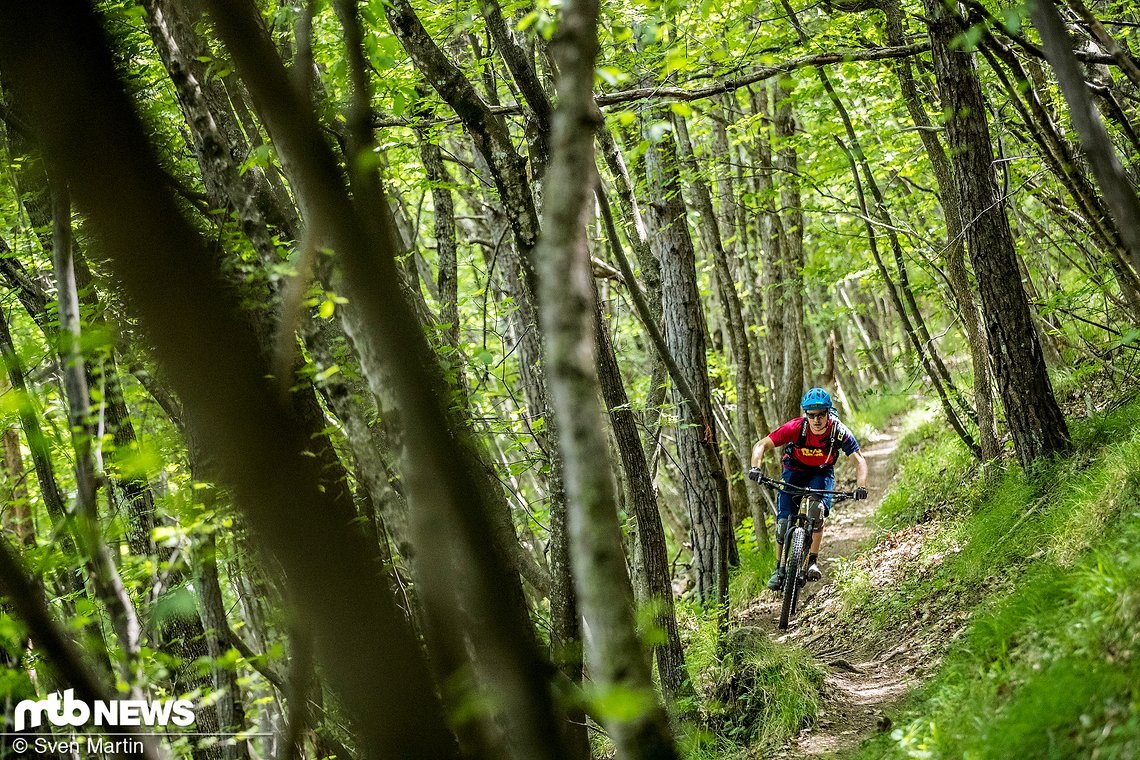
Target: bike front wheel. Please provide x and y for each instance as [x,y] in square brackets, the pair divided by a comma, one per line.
[791,575]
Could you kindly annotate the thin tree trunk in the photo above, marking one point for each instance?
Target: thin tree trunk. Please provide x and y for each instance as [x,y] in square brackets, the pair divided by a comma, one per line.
[921,347]
[493,140]
[874,350]
[1062,163]
[231,713]
[1118,193]
[746,432]
[650,535]
[104,574]
[931,373]
[926,342]
[791,273]
[570,326]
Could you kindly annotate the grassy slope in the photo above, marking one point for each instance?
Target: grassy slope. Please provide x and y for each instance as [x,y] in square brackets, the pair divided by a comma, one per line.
[1050,567]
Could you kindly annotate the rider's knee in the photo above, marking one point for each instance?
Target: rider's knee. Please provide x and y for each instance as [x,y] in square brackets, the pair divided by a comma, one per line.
[781,529]
[816,512]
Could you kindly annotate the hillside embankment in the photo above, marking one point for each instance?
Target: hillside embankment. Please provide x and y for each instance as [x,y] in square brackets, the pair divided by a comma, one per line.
[960,618]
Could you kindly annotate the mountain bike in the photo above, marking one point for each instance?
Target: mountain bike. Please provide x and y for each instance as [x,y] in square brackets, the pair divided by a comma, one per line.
[797,539]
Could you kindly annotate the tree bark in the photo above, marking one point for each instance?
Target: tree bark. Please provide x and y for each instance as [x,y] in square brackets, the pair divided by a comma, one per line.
[650,547]
[569,325]
[231,713]
[791,278]
[1118,193]
[705,486]
[733,310]
[1034,418]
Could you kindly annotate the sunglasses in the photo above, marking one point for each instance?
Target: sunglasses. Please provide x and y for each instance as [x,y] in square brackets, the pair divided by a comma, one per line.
[816,415]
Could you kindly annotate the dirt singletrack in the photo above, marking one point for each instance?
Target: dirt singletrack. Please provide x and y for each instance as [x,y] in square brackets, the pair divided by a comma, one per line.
[862,680]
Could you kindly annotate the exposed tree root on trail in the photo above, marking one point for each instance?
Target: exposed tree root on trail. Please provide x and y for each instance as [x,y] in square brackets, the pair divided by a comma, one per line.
[866,675]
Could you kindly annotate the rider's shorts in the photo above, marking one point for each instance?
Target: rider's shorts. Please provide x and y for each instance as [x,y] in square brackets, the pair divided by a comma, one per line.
[822,479]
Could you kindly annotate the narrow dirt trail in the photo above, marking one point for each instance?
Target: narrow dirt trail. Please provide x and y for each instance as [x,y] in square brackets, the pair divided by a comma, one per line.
[862,681]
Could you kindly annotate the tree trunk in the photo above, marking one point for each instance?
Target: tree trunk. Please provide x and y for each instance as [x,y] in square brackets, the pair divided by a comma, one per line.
[1034,418]
[705,486]
[732,308]
[773,244]
[791,286]
[231,713]
[570,327]
[650,535]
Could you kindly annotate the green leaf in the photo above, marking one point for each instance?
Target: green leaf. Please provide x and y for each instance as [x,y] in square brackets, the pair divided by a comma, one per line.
[138,461]
[619,703]
[178,603]
[327,373]
[968,40]
[258,157]
[1012,19]
[684,110]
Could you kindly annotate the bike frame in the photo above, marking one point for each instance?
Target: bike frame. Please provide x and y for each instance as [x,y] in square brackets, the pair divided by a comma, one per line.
[797,539]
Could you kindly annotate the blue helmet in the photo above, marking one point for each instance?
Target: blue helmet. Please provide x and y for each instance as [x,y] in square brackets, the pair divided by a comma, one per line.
[815,399]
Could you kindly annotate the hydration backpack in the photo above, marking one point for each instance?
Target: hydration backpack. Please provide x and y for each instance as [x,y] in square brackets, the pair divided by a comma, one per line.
[832,437]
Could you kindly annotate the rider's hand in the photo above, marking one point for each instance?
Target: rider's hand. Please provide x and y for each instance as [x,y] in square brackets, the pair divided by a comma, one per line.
[860,493]
[754,474]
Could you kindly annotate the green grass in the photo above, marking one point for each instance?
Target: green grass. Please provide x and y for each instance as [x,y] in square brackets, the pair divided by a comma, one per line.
[756,693]
[878,410]
[752,691]
[749,580]
[1049,665]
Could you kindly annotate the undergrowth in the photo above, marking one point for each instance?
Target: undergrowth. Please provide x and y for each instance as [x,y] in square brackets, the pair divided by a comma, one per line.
[752,691]
[878,410]
[1048,664]
[755,692]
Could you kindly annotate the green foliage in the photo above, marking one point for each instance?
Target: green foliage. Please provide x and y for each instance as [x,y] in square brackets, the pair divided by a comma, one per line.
[761,692]
[753,691]
[1047,666]
[878,408]
[749,580]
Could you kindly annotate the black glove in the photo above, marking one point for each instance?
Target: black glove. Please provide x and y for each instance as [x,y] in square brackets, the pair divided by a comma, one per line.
[860,493]
[754,474]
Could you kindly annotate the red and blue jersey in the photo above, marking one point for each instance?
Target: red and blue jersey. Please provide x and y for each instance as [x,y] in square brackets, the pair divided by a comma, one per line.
[804,450]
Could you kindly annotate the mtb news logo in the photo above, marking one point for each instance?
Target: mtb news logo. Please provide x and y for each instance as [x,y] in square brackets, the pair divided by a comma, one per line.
[68,711]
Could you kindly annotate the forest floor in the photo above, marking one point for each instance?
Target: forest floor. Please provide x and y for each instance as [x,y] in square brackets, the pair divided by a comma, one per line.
[865,675]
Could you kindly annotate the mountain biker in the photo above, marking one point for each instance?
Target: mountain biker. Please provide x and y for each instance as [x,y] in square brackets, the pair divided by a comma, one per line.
[811,447]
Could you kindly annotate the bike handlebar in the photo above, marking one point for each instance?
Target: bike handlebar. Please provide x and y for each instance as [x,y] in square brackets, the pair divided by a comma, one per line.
[779,485]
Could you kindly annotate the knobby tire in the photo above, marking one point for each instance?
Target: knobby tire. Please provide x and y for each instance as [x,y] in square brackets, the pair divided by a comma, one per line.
[791,577]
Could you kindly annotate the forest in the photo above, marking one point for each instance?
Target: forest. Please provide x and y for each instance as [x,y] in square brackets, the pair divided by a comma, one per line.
[383,379]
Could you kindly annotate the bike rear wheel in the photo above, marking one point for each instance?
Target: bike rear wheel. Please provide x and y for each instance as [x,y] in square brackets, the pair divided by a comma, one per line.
[791,576]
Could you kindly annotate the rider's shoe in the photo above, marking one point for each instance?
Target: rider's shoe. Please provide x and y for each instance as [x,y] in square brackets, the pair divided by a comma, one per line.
[813,572]
[777,579]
